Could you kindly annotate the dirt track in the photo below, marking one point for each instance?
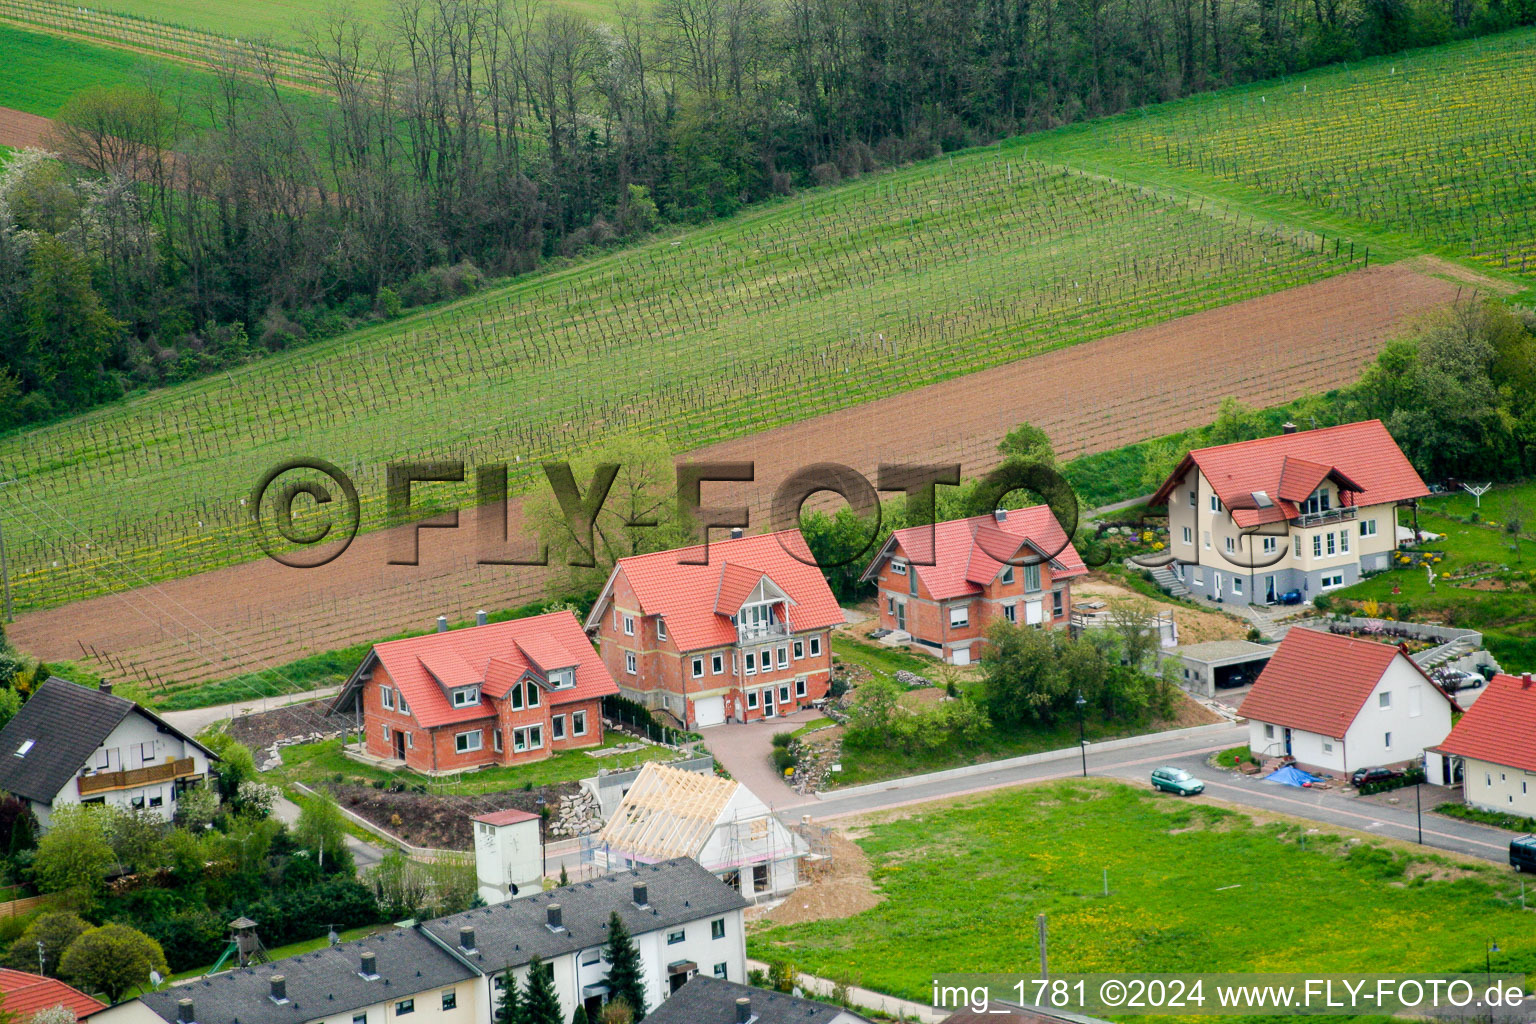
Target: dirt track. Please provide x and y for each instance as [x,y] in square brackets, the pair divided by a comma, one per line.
[19,130]
[1090,398]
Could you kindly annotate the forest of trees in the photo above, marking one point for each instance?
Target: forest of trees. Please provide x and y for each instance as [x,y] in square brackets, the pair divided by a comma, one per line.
[188,231]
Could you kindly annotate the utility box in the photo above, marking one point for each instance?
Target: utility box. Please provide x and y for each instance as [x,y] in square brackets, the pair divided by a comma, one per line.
[509,856]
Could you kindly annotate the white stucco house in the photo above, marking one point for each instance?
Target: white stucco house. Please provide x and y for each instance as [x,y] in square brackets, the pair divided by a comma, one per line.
[1336,704]
[1495,742]
[70,744]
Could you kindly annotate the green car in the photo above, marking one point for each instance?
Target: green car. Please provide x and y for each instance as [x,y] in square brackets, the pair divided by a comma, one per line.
[1176,781]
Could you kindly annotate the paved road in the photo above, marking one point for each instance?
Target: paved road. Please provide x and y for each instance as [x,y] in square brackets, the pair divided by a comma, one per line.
[745,749]
[1132,763]
[196,720]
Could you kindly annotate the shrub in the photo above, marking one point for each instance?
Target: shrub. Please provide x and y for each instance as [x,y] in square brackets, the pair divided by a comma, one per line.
[1322,602]
[781,739]
[783,760]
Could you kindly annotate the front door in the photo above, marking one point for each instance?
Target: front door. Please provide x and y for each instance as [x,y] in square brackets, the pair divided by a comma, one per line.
[1287,743]
[1269,589]
[768,702]
[901,616]
[1216,583]
[399,738]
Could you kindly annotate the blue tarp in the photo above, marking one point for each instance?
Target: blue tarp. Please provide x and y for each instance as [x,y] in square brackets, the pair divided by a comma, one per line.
[1289,776]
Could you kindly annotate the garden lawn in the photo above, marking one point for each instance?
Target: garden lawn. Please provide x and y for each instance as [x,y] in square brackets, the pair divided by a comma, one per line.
[1507,618]
[1193,887]
[313,763]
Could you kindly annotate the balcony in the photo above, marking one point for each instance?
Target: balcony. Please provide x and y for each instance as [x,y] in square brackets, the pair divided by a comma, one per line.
[1332,515]
[132,778]
[756,634]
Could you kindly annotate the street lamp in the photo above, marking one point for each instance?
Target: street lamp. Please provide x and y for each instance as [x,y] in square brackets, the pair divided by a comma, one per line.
[543,844]
[1082,735]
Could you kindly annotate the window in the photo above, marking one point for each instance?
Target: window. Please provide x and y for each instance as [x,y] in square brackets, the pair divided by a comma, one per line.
[528,738]
[1237,584]
[387,697]
[1206,537]
[1194,496]
[386,733]
[1344,541]
[815,646]
[592,957]
[557,727]
[783,657]
[698,668]
[1008,575]
[673,938]
[1031,577]
[1058,603]
[890,605]
[1317,545]
[1199,576]
[1231,545]
[467,742]
[450,999]
[1011,612]
[465,696]
[716,664]
[533,695]
[1189,535]
[1297,539]
[157,800]
[800,644]
[717,928]
[1269,545]
[629,625]
[784,695]
[1335,580]
[1331,548]
[561,679]
[1215,503]
[1368,528]
[405,1006]
[1327,746]
[496,740]
[1269,732]
[960,615]
[720,970]
[661,630]
[799,687]
[751,698]
[751,663]
[1384,699]
[138,802]
[103,758]
[400,700]
[912,584]
[360,1018]
[898,566]
[629,662]
[1386,741]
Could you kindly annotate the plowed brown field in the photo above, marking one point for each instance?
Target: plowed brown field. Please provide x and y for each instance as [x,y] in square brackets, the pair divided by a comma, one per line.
[19,130]
[1090,398]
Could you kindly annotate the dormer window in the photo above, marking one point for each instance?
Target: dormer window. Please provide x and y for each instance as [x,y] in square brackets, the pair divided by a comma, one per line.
[562,679]
[899,566]
[1008,575]
[466,696]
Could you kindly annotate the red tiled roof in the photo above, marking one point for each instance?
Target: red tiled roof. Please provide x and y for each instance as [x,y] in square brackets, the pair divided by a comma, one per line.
[510,816]
[26,994]
[966,550]
[736,584]
[1318,681]
[1500,726]
[689,596]
[544,650]
[492,655]
[1362,457]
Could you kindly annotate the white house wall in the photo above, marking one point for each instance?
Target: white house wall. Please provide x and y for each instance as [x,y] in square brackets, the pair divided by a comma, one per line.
[123,750]
[1495,787]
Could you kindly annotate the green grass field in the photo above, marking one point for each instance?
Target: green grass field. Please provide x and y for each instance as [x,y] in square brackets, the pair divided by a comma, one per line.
[1192,888]
[802,307]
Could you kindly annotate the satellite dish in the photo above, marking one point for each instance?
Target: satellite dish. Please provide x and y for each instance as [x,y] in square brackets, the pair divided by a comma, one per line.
[332,937]
[155,979]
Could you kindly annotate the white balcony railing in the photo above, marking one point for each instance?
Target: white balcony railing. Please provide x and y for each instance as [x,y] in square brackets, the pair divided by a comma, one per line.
[1332,515]
[749,634]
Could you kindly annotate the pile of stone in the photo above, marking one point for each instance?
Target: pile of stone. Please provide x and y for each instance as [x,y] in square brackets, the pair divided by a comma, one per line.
[911,680]
[577,815]
[271,758]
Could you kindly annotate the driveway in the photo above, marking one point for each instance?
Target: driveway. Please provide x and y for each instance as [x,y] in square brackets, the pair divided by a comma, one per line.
[195,720]
[745,750]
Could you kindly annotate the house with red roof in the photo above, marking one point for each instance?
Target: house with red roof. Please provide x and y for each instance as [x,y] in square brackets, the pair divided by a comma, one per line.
[500,693]
[1306,511]
[734,630]
[1495,741]
[1336,704]
[24,995]
[945,585]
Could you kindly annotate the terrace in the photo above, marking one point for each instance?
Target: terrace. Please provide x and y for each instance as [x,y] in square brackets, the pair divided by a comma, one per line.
[131,778]
[1330,515]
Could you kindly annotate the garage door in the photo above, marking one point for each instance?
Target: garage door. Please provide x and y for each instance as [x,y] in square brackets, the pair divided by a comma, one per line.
[962,656]
[709,711]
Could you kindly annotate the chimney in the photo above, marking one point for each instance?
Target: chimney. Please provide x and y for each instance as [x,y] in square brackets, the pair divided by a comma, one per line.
[480,617]
[442,623]
[1001,515]
[1287,427]
[554,918]
[184,1014]
[641,897]
[1525,681]
[105,686]
[279,989]
[736,533]
[370,964]
[743,1010]
[467,937]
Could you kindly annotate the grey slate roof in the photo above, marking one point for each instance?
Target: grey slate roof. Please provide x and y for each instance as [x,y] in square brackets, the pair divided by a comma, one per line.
[706,1000]
[319,984]
[66,722]
[511,934]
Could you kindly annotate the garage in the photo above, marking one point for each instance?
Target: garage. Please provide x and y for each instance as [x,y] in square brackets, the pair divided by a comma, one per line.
[708,711]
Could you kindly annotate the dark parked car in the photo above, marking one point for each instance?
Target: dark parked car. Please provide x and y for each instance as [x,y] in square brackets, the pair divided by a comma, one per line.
[1291,597]
[1522,853]
[1365,776]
